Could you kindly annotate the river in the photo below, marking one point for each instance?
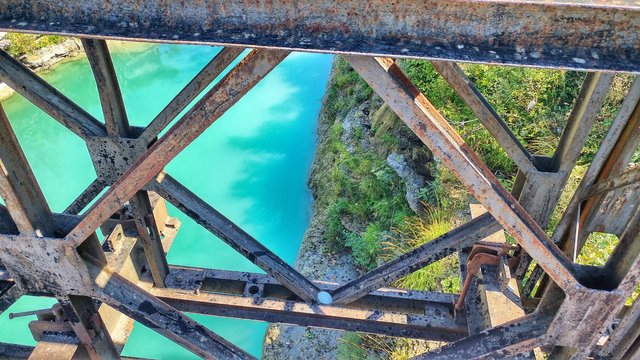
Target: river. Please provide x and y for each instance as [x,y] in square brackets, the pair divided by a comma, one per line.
[252,165]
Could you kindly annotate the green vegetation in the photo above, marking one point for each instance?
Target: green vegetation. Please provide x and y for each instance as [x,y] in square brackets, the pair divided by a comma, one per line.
[534,103]
[357,347]
[346,91]
[364,199]
[362,195]
[26,44]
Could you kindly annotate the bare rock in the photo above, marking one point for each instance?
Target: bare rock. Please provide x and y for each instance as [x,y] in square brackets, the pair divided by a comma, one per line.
[356,129]
[412,180]
[50,55]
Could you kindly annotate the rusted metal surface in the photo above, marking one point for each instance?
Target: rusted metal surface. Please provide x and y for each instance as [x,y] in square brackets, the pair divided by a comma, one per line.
[387,311]
[384,76]
[192,279]
[10,292]
[166,320]
[210,71]
[220,98]
[85,197]
[39,263]
[47,98]
[42,264]
[245,244]
[404,265]
[542,189]
[103,289]
[629,177]
[626,333]
[493,295]
[467,91]
[18,186]
[115,115]
[499,342]
[594,34]
[117,125]
[482,253]
[14,351]
[609,149]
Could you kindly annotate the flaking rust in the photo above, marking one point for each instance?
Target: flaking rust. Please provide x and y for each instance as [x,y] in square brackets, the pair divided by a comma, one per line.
[102,289]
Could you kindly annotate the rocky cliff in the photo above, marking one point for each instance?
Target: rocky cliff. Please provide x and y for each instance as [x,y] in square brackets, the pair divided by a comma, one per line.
[351,126]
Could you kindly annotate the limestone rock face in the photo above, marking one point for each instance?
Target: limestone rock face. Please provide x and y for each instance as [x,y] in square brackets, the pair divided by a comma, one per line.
[42,59]
[412,180]
[50,55]
[4,43]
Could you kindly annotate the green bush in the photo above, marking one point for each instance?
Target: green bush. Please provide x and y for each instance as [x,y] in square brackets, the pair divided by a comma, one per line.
[335,231]
[25,44]
[366,247]
[346,91]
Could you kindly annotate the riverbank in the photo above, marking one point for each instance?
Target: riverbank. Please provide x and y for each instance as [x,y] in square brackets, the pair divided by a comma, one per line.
[366,180]
[378,192]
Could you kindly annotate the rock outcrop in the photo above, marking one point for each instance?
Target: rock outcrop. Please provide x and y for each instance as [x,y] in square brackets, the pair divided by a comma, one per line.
[46,57]
[42,59]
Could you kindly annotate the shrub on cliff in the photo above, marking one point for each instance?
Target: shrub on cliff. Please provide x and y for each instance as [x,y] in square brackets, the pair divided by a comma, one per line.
[25,44]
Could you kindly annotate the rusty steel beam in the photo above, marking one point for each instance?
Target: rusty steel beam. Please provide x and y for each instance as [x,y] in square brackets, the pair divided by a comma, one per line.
[612,158]
[48,349]
[29,209]
[447,244]
[585,314]
[542,190]
[623,265]
[7,225]
[624,336]
[110,287]
[587,35]
[467,91]
[10,292]
[15,351]
[87,196]
[303,314]
[259,297]
[219,99]
[45,350]
[126,297]
[583,115]
[208,73]
[621,260]
[262,286]
[493,291]
[18,186]
[384,76]
[117,124]
[86,322]
[149,237]
[629,177]
[499,342]
[205,215]
[115,115]
[47,98]
[620,126]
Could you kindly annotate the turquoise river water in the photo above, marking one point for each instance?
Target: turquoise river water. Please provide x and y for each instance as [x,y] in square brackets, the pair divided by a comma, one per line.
[251,165]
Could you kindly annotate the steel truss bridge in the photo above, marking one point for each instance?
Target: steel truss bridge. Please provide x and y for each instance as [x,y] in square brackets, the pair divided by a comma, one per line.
[576,311]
